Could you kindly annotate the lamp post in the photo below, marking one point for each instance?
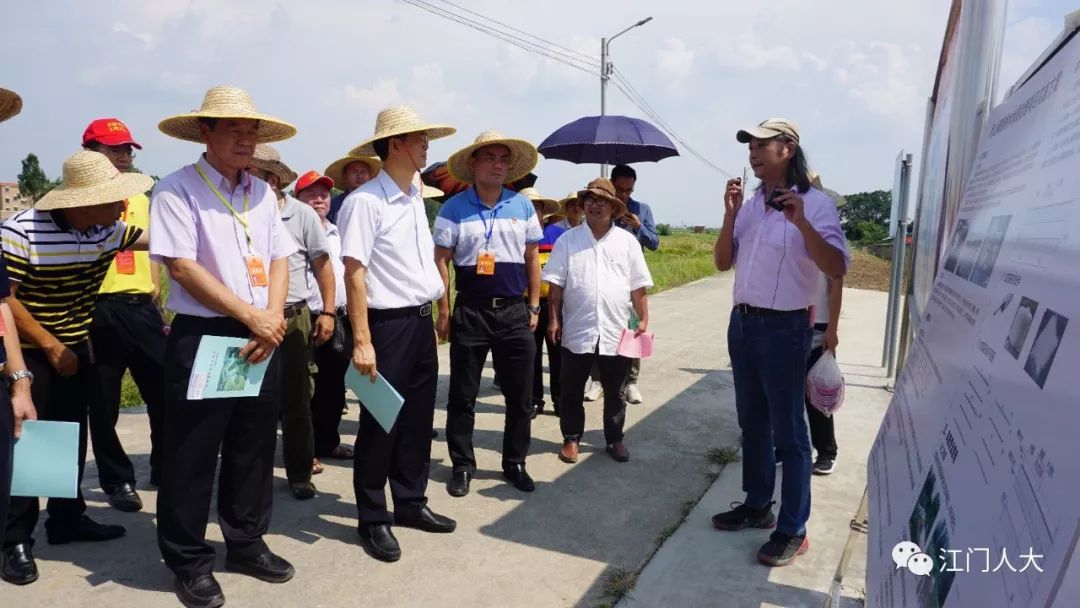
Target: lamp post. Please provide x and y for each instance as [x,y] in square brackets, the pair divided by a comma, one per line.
[605,73]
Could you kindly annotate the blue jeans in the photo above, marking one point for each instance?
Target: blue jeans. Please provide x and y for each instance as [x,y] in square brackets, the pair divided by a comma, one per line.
[768,362]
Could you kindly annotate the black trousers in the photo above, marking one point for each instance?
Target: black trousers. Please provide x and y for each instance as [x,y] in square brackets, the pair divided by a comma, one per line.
[613,371]
[7,445]
[822,431]
[127,334]
[405,354]
[505,332]
[328,399]
[243,430]
[554,362]
[63,399]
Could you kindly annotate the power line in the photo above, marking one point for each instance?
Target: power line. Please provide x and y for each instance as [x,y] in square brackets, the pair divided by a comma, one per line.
[512,28]
[509,38]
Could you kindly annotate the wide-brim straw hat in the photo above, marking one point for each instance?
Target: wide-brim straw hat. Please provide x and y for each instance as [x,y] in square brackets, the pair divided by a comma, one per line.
[91,179]
[572,197]
[603,188]
[523,157]
[267,158]
[549,207]
[10,104]
[400,120]
[336,170]
[427,191]
[226,102]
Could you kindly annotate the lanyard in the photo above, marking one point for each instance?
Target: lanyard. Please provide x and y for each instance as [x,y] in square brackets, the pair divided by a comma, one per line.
[488,228]
[242,219]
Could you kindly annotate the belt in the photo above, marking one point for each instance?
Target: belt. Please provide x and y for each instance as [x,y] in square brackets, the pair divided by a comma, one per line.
[423,310]
[754,311]
[292,310]
[490,303]
[127,298]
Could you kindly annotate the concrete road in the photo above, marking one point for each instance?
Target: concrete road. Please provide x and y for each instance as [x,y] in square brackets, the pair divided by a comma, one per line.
[555,547]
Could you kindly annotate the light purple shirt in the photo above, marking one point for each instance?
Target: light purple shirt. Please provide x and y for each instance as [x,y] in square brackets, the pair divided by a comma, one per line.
[189,222]
[773,268]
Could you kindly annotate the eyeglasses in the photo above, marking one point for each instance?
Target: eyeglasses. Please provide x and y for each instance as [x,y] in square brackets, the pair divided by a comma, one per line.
[121,150]
[595,201]
[626,191]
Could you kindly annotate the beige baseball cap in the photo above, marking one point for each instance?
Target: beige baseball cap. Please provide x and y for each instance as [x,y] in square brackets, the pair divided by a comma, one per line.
[769,129]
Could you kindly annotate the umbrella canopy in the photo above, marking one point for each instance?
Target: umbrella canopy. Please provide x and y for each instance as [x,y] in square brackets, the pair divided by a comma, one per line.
[438,176]
[608,139]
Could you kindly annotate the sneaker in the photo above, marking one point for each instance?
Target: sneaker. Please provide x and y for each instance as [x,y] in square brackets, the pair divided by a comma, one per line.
[782,549]
[741,516]
[824,465]
[632,394]
[594,392]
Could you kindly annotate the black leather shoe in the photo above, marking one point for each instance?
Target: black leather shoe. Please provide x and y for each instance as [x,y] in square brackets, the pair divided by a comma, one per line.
[124,498]
[200,592]
[19,567]
[265,567]
[427,520]
[517,475]
[379,542]
[459,485]
[86,530]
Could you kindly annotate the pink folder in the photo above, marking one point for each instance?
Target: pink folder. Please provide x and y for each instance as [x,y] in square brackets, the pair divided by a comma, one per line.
[639,347]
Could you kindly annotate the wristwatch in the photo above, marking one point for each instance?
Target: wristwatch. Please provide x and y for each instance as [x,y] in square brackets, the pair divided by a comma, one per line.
[19,375]
[534,310]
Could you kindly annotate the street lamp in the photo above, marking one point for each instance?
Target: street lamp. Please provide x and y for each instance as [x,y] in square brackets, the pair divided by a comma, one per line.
[605,73]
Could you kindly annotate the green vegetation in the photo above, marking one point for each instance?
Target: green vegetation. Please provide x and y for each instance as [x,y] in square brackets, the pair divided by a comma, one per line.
[683,257]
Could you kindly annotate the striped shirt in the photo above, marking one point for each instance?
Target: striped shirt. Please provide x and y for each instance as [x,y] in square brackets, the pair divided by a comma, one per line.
[469,227]
[59,270]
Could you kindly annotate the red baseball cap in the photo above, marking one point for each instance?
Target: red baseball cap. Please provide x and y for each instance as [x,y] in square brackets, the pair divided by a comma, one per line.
[109,132]
[311,178]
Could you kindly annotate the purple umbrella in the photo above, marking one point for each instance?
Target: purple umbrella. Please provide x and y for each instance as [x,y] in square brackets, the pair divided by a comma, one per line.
[608,139]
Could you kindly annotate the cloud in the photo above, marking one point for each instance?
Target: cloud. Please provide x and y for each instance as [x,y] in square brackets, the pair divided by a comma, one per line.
[748,53]
[676,59]
[145,39]
[1025,40]
[424,88]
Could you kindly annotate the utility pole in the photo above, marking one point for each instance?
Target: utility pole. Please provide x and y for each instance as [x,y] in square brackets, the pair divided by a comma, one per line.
[605,73]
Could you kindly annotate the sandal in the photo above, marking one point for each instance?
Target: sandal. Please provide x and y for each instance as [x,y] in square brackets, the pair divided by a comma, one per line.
[316,467]
[341,452]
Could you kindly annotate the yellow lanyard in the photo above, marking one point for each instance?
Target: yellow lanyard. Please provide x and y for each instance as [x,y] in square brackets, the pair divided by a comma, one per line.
[221,197]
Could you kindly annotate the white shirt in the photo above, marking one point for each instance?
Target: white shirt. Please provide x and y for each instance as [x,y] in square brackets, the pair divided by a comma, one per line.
[821,300]
[386,230]
[597,278]
[314,301]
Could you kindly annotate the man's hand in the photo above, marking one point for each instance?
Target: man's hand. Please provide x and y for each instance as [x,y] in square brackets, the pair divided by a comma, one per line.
[22,404]
[632,221]
[793,207]
[363,360]
[324,328]
[643,326]
[442,325]
[257,350]
[733,197]
[831,341]
[554,332]
[534,320]
[267,325]
[63,359]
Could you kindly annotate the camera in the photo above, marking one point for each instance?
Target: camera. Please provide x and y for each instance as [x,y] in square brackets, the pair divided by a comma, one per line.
[771,201]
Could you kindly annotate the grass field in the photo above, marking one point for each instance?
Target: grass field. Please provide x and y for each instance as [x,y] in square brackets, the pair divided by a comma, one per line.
[683,257]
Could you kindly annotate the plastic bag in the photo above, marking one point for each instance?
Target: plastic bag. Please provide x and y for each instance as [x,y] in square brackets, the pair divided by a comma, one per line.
[825,385]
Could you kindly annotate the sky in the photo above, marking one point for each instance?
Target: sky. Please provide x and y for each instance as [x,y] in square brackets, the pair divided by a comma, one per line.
[853,75]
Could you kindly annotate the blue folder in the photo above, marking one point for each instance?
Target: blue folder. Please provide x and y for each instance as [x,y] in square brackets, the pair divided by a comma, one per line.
[46,459]
[379,398]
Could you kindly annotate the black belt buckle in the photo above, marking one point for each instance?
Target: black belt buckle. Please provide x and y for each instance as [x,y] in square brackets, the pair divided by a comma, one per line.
[499,303]
[425,310]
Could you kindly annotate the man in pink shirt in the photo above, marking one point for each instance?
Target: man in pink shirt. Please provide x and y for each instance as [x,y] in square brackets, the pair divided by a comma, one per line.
[779,242]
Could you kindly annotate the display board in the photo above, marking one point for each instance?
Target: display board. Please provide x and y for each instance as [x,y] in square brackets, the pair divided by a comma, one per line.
[973,477]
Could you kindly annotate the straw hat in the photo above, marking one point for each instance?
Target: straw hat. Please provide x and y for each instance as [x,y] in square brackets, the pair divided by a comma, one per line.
[603,188]
[523,157]
[226,102]
[267,158]
[336,170]
[550,206]
[427,191]
[91,179]
[10,104]
[815,181]
[573,196]
[399,120]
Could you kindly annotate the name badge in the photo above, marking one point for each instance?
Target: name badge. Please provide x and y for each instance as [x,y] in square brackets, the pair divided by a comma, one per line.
[125,262]
[485,263]
[256,271]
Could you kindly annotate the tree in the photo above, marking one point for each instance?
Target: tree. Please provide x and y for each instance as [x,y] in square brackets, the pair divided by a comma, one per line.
[869,233]
[865,207]
[32,181]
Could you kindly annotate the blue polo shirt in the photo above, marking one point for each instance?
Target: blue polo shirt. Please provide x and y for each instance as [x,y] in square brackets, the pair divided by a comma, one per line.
[469,227]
